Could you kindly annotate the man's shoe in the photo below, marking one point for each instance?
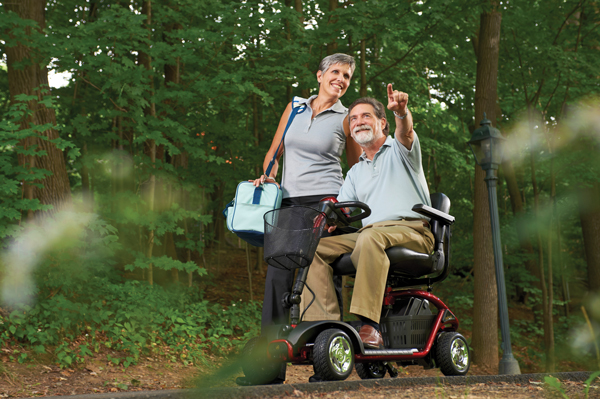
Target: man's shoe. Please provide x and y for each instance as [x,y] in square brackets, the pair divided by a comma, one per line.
[246,382]
[370,337]
[315,378]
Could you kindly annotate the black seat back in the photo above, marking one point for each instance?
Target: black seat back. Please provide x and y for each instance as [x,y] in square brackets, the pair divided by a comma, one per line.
[408,267]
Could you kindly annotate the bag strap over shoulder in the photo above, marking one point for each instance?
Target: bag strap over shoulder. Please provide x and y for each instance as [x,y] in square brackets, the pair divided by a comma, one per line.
[296,109]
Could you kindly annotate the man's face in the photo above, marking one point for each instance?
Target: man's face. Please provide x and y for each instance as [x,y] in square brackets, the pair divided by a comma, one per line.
[364,124]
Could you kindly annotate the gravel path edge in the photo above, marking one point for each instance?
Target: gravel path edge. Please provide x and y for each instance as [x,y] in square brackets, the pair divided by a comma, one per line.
[332,386]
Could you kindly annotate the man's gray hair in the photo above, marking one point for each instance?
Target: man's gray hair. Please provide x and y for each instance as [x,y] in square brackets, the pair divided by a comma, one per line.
[337,58]
[377,106]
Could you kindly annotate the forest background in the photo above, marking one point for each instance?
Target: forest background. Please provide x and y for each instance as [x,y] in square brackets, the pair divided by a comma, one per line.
[112,185]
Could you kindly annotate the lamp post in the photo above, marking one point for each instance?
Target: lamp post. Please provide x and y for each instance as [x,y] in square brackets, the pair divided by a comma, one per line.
[486,144]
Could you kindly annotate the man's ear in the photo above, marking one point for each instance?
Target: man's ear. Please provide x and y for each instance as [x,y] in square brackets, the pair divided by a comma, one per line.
[383,124]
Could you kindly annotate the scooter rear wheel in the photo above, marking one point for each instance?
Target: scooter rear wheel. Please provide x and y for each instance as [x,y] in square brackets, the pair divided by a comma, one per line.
[368,371]
[333,355]
[452,354]
[257,367]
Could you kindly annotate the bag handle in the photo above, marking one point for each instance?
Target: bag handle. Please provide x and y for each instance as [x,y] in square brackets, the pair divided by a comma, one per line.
[295,111]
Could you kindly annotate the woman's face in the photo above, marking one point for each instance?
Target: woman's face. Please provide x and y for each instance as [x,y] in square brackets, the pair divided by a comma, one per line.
[335,80]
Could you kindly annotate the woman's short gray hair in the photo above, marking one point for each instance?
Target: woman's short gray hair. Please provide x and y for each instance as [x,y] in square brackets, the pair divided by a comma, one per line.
[337,58]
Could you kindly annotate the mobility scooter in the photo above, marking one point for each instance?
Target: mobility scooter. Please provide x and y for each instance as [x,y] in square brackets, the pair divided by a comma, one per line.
[417,327]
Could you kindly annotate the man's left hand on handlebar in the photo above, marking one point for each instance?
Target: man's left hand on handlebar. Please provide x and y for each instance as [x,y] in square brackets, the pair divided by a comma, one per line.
[329,228]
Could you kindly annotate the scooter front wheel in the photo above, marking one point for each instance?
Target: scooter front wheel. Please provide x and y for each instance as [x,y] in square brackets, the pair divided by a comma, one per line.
[333,355]
[257,367]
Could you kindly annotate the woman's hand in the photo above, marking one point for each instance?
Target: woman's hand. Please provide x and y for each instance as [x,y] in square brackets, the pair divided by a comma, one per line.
[264,179]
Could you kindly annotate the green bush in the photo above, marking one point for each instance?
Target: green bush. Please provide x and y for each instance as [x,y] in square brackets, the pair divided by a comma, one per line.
[77,303]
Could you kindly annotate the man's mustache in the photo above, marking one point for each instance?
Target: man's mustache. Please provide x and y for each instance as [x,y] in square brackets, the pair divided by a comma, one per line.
[362,127]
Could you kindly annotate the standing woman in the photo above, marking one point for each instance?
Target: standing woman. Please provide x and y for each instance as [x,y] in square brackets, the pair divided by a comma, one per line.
[311,152]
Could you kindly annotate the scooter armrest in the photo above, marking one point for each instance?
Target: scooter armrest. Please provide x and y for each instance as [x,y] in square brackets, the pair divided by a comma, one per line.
[433,213]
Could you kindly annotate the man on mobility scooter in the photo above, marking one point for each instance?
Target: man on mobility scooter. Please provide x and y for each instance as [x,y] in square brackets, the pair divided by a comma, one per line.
[403,227]
[389,178]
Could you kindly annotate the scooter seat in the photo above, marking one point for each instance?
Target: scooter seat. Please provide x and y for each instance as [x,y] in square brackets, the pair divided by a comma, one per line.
[405,262]
[402,261]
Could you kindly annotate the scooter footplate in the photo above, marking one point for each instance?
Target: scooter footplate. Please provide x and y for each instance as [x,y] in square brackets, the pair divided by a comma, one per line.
[390,352]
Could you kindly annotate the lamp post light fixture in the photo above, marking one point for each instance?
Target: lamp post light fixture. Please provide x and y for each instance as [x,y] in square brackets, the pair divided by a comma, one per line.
[486,144]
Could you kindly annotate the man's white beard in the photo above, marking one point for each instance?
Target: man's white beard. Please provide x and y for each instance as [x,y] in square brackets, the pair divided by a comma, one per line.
[366,135]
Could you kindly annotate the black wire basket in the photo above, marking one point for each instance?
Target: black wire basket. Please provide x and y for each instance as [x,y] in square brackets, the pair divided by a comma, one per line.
[292,235]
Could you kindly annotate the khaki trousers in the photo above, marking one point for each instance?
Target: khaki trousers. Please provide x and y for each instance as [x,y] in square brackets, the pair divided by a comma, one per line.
[372,265]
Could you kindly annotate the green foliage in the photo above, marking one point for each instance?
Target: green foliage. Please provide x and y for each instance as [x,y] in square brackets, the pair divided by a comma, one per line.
[589,381]
[12,175]
[554,384]
[130,320]
[457,294]
[206,83]
[83,306]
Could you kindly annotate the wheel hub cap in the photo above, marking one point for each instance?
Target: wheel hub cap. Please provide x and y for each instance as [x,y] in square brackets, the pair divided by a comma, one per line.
[340,354]
[460,354]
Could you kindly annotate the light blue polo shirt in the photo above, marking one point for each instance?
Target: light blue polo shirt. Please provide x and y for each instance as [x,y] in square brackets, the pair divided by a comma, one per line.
[391,184]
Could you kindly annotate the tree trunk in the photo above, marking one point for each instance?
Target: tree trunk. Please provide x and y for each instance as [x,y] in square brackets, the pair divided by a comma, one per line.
[363,68]
[332,45]
[169,239]
[485,311]
[305,92]
[590,228]
[172,78]
[288,37]
[249,273]
[32,79]
[87,195]
[518,209]
[298,8]
[150,111]
[548,321]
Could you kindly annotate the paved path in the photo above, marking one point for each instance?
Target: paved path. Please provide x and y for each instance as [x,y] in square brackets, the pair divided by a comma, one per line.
[326,387]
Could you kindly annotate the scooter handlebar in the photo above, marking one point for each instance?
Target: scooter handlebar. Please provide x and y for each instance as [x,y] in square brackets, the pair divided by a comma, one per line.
[366,211]
[336,214]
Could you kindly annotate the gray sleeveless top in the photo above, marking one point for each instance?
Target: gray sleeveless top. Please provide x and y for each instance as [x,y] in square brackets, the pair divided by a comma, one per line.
[313,147]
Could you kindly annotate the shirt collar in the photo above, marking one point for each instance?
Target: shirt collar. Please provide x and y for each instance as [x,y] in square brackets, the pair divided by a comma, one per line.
[337,107]
[387,143]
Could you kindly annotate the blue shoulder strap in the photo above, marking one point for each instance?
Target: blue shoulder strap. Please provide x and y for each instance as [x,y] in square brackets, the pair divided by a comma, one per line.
[295,111]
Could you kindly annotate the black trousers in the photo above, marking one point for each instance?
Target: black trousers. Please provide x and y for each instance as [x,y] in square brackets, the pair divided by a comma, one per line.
[279,281]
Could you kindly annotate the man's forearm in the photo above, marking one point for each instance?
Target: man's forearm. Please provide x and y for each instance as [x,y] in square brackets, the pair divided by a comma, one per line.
[404,128]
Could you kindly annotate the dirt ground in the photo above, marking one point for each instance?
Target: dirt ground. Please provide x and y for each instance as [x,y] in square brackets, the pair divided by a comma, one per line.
[477,391]
[31,380]
[42,378]
[27,380]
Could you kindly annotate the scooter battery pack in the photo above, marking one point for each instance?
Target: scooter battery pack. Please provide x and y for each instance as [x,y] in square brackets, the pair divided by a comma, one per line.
[402,332]
[408,324]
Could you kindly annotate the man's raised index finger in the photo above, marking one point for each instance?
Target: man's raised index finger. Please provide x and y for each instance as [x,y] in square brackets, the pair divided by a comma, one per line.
[390,90]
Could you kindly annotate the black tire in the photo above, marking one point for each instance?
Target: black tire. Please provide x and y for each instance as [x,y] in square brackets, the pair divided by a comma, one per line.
[333,355]
[257,368]
[368,371]
[452,354]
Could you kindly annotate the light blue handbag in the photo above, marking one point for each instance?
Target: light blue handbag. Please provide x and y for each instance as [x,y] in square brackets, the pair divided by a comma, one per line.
[245,213]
